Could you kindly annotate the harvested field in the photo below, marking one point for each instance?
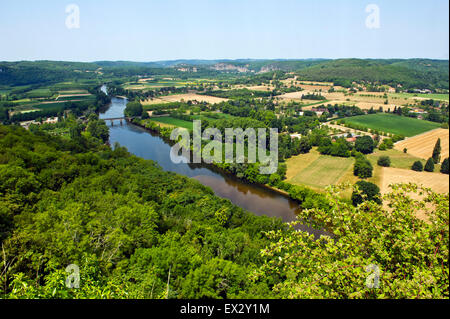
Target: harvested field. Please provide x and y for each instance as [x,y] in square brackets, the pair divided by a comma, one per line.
[436,181]
[422,145]
[185,97]
[293,95]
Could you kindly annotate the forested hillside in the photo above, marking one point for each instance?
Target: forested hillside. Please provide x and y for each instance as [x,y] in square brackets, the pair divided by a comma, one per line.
[122,220]
[136,231]
[412,73]
[415,73]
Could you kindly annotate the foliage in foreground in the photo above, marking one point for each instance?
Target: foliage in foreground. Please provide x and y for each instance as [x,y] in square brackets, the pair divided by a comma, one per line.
[410,254]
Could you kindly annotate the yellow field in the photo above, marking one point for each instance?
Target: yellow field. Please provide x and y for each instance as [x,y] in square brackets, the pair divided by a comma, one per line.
[184,97]
[422,145]
[297,163]
[436,181]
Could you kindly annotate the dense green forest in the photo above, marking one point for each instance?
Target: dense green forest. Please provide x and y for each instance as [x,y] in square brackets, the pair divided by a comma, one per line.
[415,73]
[136,231]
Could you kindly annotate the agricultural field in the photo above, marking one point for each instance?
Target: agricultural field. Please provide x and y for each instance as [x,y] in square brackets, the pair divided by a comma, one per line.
[317,171]
[436,181]
[39,93]
[184,97]
[434,96]
[398,158]
[167,121]
[364,100]
[146,84]
[394,124]
[422,145]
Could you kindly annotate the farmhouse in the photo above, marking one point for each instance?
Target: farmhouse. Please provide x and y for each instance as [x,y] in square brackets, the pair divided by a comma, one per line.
[319,111]
[299,136]
[26,124]
[50,120]
[418,111]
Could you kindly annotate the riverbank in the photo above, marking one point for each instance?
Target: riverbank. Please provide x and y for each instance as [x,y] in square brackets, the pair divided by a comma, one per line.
[148,141]
[166,138]
[305,198]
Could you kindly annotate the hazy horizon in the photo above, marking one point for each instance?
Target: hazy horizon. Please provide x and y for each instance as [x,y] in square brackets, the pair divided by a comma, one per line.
[226,59]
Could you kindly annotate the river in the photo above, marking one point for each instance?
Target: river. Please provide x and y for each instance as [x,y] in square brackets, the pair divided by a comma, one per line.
[254,198]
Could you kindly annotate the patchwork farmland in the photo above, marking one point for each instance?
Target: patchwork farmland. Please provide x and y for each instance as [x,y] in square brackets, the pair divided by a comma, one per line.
[184,97]
[422,145]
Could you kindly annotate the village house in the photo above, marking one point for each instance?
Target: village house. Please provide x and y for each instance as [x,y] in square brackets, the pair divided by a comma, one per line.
[319,111]
[296,135]
[418,111]
[50,120]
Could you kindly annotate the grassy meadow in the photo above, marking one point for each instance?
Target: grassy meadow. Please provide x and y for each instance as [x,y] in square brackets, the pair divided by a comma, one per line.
[170,121]
[394,124]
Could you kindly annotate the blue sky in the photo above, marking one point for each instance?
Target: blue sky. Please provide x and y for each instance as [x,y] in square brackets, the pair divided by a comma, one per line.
[152,30]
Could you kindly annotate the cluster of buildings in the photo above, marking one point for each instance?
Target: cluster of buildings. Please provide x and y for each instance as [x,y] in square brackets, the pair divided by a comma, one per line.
[349,137]
[50,120]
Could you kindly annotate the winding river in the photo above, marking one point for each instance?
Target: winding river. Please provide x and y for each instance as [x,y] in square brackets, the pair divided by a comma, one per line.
[140,142]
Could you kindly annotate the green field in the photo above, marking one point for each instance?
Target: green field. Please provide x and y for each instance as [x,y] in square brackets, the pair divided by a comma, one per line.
[54,105]
[324,171]
[434,96]
[173,121]
[154,84]
[76,98]
[391,123]
[398,159]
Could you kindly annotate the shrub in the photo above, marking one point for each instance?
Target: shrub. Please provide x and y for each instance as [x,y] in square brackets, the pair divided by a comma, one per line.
[384,161]
[369,192]
[145,115]
[133,109]
[417,166]
[364,144]
[362,168]
[389,143]
[405,150]
[437,152]
[429,166]
[444,166]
